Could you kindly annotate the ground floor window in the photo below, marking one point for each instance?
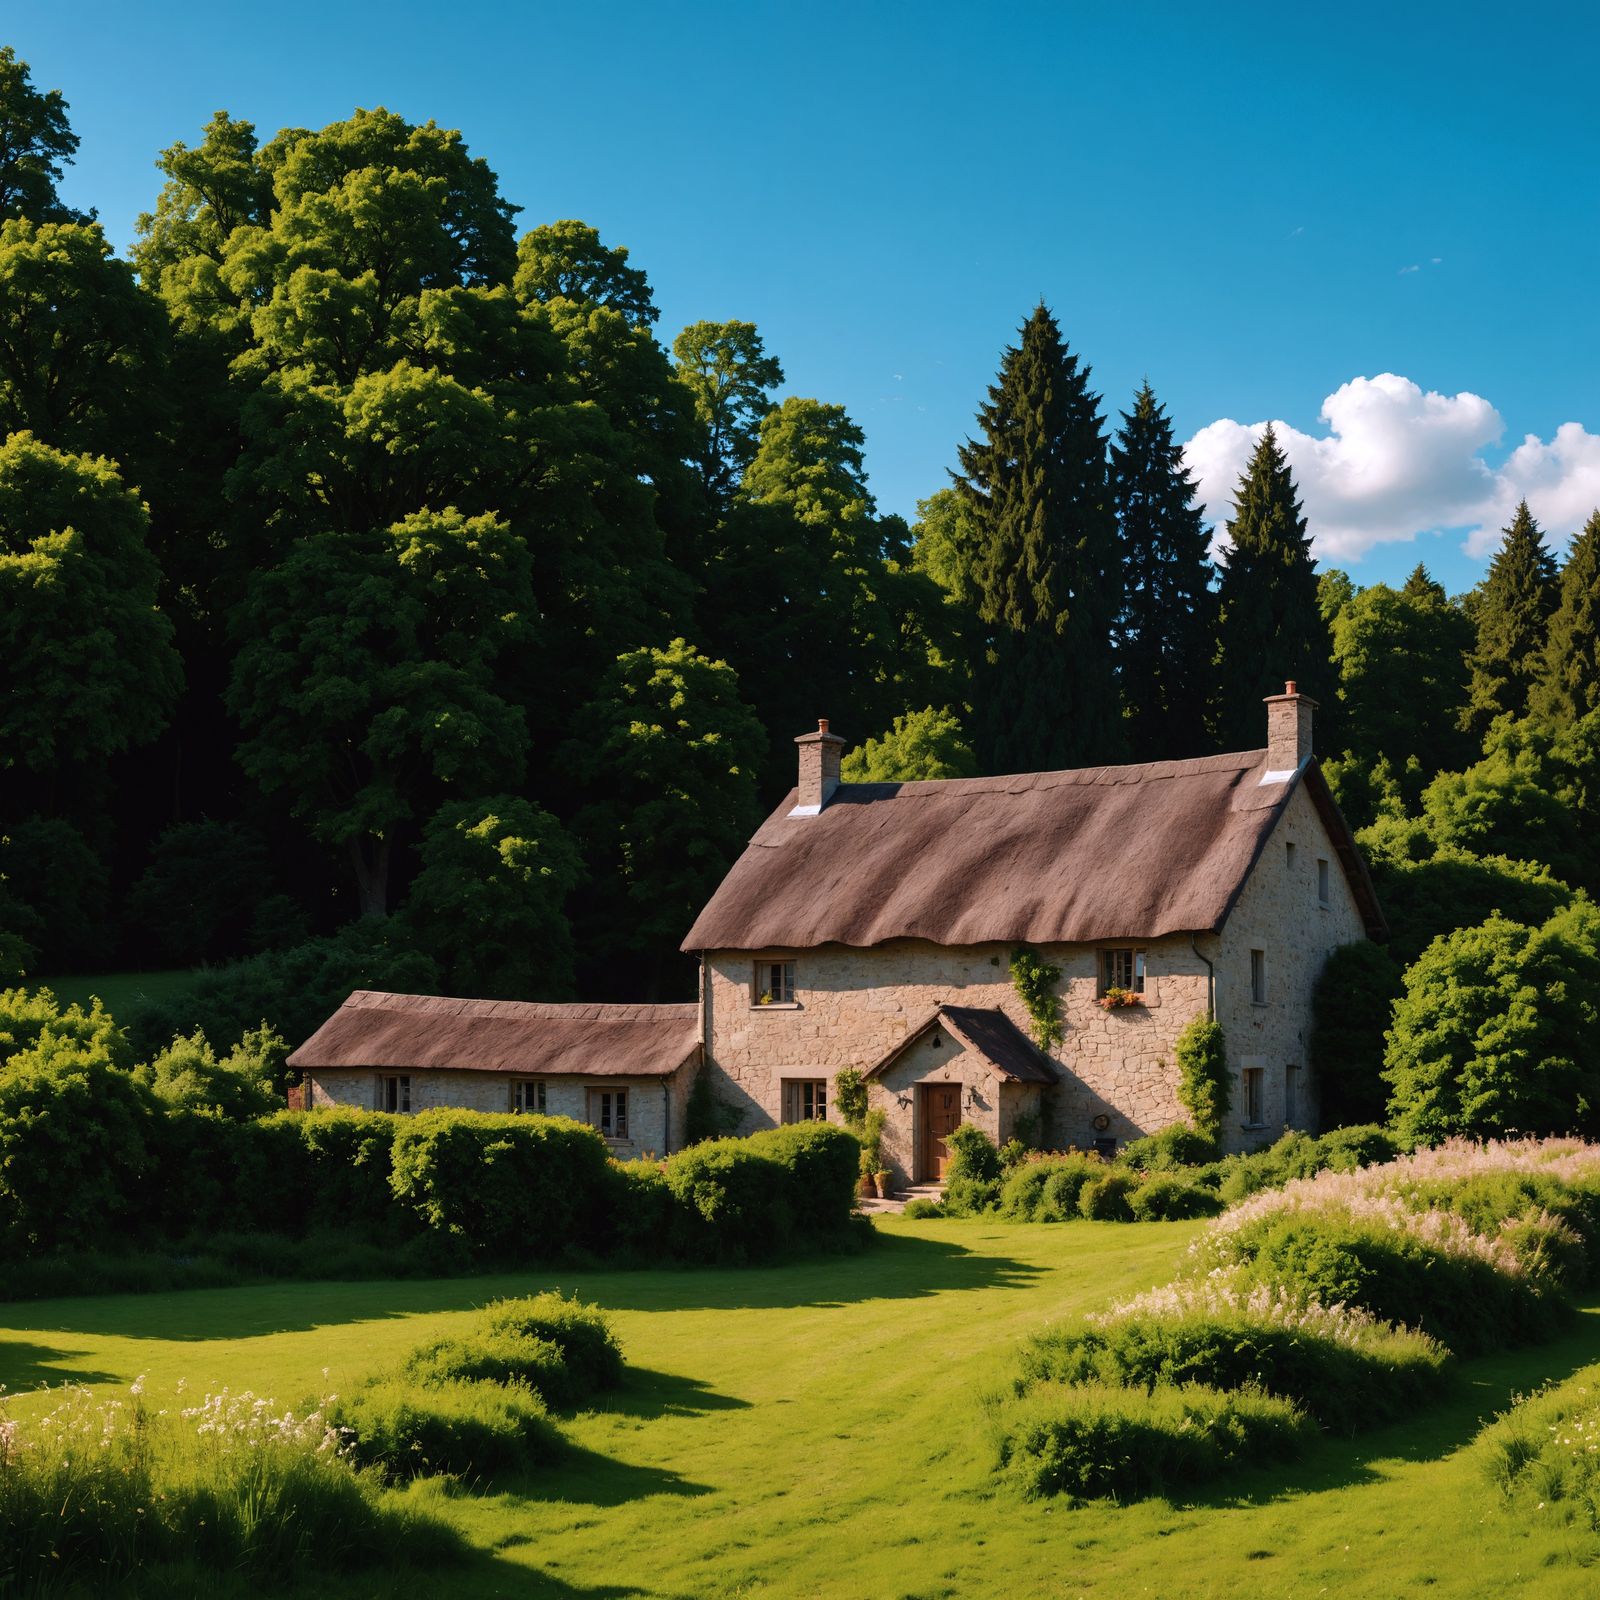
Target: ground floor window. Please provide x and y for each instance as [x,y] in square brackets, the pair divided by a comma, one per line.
[1291,1097]
[608,1111]
[1122,969]
[393,1094]
[805,1099]
[1253,1117]
[774,983]
[527,1095]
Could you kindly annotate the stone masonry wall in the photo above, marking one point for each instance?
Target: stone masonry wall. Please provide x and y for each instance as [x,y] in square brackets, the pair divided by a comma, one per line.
[491,1091]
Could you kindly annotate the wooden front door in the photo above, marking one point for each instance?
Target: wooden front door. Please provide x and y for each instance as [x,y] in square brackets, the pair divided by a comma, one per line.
[941,1115]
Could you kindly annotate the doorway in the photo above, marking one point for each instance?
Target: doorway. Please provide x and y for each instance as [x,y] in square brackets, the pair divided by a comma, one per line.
[941,1116]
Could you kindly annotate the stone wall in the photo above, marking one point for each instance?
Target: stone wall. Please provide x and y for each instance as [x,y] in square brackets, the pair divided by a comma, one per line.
[852,1006]
[649,1100]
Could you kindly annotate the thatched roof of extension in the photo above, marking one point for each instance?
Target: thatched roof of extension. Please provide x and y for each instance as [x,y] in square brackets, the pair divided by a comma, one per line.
[989,1031]
[1043,857]
[396,1032]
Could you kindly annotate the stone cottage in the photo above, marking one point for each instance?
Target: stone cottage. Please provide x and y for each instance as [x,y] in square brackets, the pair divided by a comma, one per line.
[873,925]
[626,1070]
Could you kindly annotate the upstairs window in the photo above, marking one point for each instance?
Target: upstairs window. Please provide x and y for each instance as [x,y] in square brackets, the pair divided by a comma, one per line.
[774,983]
[1324,882]
[805,1099]
[1258,977]
[1288,857]
[1122,969]
[608,1111]
[527,1096]
[393,1094]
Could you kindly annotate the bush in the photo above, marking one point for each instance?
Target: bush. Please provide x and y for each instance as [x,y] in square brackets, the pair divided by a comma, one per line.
[514,1187]
[1298,1155]
[240,1085]
[1171,1148]
[733,1201]
[349,1160]
[920,1210]
[1095,1440]
[1204,1084]
[530,1362]
[823,1166]
[1046,1189]
[582,1333]
[32,1017]
[1163,1199]
[467,1429]
[1106,1199]
[972,1181]
[105,1493]
[1348,1373]
[1542,1453]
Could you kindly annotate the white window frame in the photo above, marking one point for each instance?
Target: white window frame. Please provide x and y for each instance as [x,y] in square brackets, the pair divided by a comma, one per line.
[608,1112]
[804,1100]
[524,1090]
[773,977]
[392,1086]
[1258,978]
[1129,956]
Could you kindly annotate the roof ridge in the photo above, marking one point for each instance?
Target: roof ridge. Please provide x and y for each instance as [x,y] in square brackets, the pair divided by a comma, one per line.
[552,1010]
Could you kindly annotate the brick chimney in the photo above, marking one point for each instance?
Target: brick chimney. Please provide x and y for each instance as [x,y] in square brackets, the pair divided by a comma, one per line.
[819,769]
[1289,729]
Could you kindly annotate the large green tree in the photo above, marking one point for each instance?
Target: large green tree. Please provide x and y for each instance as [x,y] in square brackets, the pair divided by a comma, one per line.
[1272,628]
[568,261]
[1167,630]
[1512,609]
[36,145]
[369,677]
[1568,685]
[1046,566]
[921,744]
[730,378]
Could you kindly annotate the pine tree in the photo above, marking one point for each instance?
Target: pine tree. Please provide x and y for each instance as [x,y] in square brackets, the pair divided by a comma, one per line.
[1272,628]
[1045,565]
[1512,609]
[1569,681]
[1166,635]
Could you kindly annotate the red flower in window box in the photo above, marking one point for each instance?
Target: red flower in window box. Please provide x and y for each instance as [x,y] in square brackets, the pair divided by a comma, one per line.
[1115,999]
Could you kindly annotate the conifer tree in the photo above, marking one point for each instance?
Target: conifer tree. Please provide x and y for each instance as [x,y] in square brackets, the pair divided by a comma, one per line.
[1271,627]
[1166,636]
[1045,565]
[1569,681]
[1512,609]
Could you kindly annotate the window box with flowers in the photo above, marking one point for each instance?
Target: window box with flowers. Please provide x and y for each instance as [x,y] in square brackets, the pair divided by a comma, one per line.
[1115,999]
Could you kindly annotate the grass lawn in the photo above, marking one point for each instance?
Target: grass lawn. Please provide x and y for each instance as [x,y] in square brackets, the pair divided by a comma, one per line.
[120,991]
[813,1431]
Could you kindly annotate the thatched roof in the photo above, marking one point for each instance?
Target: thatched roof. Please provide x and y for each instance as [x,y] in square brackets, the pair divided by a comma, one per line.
[396,1032]
[1042,857]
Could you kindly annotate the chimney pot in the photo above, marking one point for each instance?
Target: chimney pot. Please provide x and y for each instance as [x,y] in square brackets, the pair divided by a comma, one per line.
[820,754]
[1289,718]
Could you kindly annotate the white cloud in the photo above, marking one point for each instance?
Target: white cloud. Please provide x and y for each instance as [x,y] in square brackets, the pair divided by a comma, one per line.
[1397,461]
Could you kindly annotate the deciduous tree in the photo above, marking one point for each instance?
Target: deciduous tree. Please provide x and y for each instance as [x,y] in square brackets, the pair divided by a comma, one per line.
[730,379]
[921,744]
[36,145]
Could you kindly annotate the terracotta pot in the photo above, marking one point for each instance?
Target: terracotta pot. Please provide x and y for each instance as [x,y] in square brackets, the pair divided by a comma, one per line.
[866,1188]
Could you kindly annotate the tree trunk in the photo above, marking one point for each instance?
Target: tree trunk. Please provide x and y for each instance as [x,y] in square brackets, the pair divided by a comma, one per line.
[370,859]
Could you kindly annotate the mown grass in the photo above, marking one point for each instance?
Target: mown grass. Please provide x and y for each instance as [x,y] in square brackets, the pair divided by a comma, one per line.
[814,1430]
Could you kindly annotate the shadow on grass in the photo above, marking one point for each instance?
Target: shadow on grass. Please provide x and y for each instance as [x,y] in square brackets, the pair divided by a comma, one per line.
[894,1267]
[26,1366]
[647,1394]
[583,1477]
[1482,1388]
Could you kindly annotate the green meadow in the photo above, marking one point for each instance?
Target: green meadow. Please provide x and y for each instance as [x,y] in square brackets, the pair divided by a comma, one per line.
[816,1430]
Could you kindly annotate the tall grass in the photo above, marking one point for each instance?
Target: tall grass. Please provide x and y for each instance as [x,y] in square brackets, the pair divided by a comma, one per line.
[95,1491]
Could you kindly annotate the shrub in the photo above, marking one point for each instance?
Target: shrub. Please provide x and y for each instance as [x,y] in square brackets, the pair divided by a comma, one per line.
[1349,1372]
[1298,1155]
[468,1429]
[32,1017]
[349,1159]
[514,1187]
[1171,1148]
[1096,1440]
[1046,1189]
[1545,1451]
[1203,1079]
[1106,1198]
[582,1333]
[534,1363]
[972,1181]
[102,1492]
[822,1164]
[240,1085]
[732,1201]
[1163,1199]
[871,1137]
[921,1210]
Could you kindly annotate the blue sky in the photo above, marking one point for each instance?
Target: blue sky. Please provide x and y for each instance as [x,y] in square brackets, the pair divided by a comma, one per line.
[1254,206]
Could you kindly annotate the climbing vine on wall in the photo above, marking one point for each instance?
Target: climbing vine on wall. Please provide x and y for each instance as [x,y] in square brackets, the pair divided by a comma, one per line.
[1036,981]
[1203,1079]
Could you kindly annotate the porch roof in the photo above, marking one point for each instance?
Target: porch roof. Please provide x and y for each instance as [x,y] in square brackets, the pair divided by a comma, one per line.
[989,1031]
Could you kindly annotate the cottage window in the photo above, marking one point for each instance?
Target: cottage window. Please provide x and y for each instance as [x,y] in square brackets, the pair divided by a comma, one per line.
[1288,857]
[608,1111]
[1291,1096]
[805,1099]
[774,983]
[1122,969]
[1323,882]
[1253,1117]
[1258,977]
[392,1094]
[527,1096]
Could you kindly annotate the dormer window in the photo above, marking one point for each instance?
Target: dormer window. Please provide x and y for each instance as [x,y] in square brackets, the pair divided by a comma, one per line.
[773,984]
